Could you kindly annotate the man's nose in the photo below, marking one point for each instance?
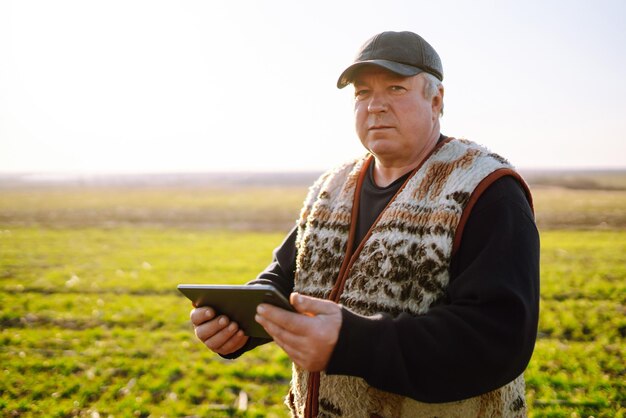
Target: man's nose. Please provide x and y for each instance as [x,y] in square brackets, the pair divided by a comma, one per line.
[377,103]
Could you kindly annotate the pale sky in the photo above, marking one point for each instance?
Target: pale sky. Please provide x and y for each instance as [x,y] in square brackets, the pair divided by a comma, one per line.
[138,86]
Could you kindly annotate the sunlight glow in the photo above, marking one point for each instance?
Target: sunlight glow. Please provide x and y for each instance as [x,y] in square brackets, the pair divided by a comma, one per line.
[163,86]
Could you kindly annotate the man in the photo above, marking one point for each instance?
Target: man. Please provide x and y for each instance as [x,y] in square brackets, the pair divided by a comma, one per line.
[414,270]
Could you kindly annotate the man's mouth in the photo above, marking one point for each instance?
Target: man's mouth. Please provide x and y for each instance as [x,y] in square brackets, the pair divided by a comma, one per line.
[377,127]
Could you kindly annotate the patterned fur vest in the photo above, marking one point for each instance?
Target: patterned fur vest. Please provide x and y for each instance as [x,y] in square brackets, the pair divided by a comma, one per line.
[400,266]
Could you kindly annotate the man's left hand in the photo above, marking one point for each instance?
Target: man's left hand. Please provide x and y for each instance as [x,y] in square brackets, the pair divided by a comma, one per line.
[308,336]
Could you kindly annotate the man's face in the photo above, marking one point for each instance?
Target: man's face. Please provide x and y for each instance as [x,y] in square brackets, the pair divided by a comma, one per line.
[393,119]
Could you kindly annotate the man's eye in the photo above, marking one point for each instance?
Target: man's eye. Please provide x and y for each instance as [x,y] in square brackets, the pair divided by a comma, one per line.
[397,89]
[360,93]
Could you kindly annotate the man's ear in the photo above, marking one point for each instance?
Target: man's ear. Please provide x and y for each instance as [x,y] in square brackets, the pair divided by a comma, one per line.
[437,102]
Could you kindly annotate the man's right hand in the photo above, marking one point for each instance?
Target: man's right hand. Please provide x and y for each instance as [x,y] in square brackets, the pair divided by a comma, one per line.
[219,334]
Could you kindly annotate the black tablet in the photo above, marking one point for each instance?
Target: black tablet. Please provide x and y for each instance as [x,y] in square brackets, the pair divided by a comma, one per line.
[238,302]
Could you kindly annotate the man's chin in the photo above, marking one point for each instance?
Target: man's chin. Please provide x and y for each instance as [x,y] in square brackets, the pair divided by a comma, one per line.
[383,148]
[386,158]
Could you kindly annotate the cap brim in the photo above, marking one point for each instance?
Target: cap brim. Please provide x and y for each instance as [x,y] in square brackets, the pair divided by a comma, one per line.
[401,69]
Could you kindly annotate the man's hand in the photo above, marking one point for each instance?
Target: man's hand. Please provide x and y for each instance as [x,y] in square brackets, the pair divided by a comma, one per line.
[309,336]
[219,334]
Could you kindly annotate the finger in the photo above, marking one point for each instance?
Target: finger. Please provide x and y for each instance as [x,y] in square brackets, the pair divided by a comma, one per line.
[217,340]
[293,352]
[282,336]
[278,335]
[207,329]
[201,315]
[311,306]
[300,357]
[290,321]
[234,343]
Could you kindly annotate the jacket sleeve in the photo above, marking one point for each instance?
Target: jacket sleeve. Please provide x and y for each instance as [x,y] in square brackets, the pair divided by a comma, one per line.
[482,334]
[280,273]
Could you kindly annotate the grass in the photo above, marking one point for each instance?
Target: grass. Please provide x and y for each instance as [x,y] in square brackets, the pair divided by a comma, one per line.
[91,323]
[562,208]
[242,208]
[255,208]
[117,339]
[578,366]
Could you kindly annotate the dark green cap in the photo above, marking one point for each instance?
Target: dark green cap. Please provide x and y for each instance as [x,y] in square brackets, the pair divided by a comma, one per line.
[403,53]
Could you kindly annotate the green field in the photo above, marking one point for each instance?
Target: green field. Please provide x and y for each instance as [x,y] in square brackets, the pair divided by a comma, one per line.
[92,324]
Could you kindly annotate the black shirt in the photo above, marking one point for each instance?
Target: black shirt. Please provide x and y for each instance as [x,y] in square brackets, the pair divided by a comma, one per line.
[373,200]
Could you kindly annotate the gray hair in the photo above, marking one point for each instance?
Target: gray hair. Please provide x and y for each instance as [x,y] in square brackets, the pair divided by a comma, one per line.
[431,88]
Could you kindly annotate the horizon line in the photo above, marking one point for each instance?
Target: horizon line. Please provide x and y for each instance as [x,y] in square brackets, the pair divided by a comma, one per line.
[122,173]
